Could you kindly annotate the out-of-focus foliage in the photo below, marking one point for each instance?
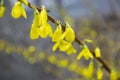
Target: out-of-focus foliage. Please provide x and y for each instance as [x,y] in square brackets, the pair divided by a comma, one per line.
[32,56]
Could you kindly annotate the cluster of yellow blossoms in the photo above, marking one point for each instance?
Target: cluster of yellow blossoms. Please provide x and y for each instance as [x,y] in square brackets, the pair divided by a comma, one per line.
[42,28]
[86,53]
[62,39]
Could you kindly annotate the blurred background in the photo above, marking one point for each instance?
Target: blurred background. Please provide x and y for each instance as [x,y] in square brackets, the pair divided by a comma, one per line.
[24,59]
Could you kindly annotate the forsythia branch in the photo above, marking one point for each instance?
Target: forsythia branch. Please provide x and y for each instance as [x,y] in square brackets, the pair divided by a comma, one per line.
[53,20]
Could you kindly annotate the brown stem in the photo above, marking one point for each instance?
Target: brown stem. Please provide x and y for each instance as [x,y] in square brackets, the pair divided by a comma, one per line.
[31,6]
[101,61]
[76,39]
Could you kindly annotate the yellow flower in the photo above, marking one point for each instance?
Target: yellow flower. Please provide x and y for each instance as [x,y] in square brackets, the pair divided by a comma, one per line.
[52,59]
[42,31]
[73,66]
[113,75]
[70,49]
[91,69]
[69,33]
[34,32]
[62,63]
[25,2]
[40,18]
[49,29]
[45,30]
[88,72]
[41,55]
[44,15]
[18,10]
[55,46]
[57,35]
[62,44]
[97,52]
[37,19]
[31,49]
[85,53]
[2,11]
[99,74]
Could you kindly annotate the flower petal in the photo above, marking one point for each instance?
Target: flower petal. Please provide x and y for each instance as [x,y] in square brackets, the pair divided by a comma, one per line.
[33,32]
[2,11]
[16,10]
